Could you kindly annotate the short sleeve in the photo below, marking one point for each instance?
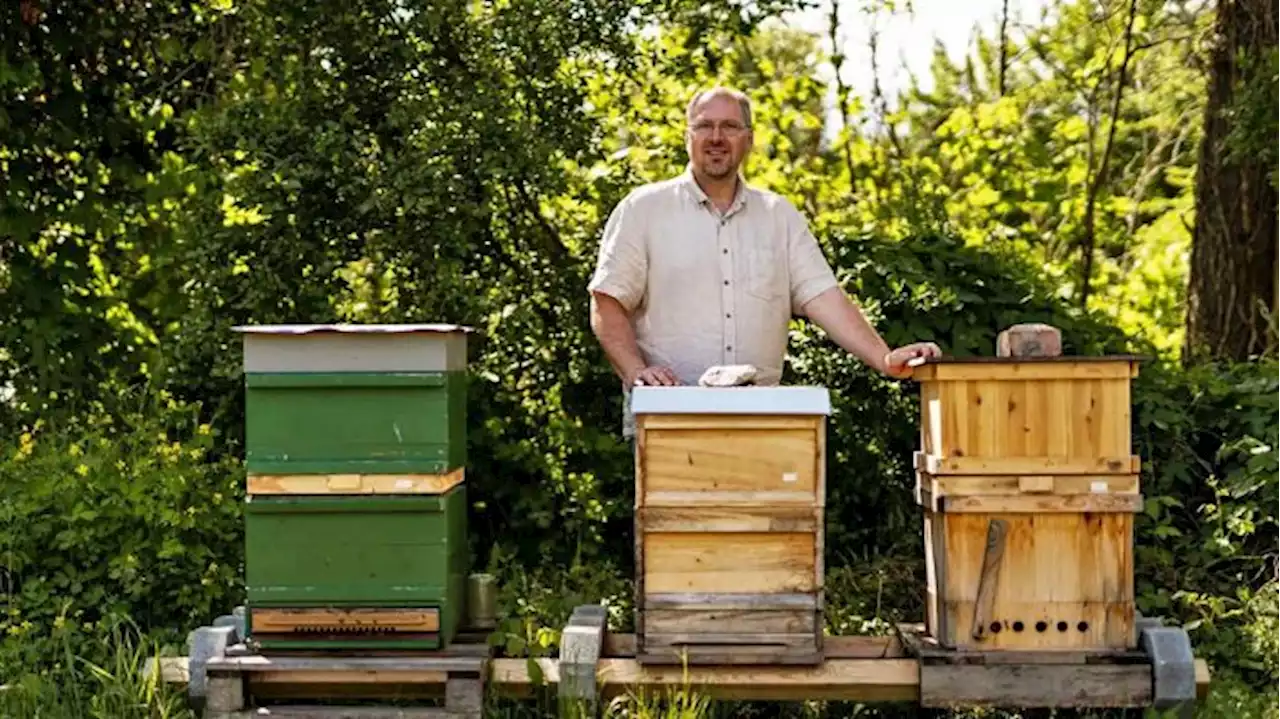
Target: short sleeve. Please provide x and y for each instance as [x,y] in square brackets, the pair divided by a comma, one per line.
[622,263]
[811,275]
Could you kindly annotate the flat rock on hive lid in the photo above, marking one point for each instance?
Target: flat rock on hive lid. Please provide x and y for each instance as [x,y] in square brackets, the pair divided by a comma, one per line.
[735,375]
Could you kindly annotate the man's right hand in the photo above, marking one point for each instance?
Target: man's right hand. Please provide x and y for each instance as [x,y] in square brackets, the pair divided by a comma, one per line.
[653,377]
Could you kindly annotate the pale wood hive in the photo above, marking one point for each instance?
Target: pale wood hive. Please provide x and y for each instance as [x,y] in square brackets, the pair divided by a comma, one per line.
[1029,489]
[730,490]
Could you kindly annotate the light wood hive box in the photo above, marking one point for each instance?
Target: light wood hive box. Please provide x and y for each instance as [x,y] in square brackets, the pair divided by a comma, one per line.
[730,490]
[1029,489]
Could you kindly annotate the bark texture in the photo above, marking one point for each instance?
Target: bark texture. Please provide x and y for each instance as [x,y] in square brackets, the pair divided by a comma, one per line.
[1232,292]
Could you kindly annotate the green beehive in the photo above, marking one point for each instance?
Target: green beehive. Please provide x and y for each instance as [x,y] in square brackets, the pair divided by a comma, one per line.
[355,524]
[340,399]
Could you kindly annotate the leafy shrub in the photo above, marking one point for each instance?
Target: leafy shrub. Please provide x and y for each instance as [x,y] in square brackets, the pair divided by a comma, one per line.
[116,517]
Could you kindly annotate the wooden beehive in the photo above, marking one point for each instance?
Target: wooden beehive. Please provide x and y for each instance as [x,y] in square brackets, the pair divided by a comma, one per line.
[355,521]
[730,490]
[1029,489]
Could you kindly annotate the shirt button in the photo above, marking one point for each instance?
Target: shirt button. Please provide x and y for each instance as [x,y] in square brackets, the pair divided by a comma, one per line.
[729,348]
[727,316]
[726,250]
[726,283]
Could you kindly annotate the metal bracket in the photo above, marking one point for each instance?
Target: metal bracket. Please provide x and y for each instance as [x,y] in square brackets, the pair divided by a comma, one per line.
[580,647]
[1173,666]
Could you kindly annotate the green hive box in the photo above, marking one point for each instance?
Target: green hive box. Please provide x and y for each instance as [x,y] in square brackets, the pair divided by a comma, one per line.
[362,399]
[358,551]
[344,400]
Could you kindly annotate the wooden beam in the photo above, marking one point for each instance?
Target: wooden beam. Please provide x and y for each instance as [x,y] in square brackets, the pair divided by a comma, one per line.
[881,675]
[882,680]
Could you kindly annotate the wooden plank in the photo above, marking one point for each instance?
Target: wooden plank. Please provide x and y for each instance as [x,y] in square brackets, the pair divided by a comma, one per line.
[988,581]
[372,676]
[276,620]
[837,679]
[730,460]
[385,665]
[868,680]
[985,465]
[729,519]
[729,641]
[319,484]
[1042,503]
[1012,484]
[304,711]
[726,421]
[732,602]
[735,563]
[1063,686]
[710,498]
[1025,369]
[743,655]
[680,621]
[622,646]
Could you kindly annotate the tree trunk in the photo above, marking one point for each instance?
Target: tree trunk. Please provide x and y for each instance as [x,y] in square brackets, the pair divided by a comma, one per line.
[1232,293]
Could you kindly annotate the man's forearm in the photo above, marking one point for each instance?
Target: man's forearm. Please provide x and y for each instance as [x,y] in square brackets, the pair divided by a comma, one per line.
[612,327]
[844,322]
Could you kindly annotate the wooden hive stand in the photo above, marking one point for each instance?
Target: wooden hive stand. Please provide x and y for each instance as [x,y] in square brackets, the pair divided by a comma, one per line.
[1029,487]
[730,490]
[355,520]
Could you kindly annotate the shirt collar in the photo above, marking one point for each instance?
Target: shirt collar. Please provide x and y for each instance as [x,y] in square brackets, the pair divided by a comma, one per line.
[695,192]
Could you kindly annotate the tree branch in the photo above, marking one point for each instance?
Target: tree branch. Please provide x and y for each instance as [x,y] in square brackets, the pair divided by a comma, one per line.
[1089,239]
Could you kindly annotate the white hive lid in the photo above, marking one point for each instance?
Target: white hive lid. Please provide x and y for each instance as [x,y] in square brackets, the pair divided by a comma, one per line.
[308,329]
[731,400]
[354,347]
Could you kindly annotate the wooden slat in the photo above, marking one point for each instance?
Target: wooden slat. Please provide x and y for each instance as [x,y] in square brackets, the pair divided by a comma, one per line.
[732,602]
[987,465]
[319,484]
[729,519]
[746,639]
[277,620]
[729,563]
[316,676]
[305,711]
[386,666]
[729,499]
[623,646]
[725,421]
[1042,503]
[1062,686]
[1012,484]
[1015,369]
[715,621]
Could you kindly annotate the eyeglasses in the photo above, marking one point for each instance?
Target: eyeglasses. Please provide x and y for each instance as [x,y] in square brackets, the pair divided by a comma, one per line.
[726,128]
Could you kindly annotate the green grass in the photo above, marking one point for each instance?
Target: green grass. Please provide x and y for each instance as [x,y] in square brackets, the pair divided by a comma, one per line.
[96,677]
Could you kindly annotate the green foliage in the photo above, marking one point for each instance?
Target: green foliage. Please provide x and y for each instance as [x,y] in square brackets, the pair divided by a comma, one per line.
[174,171]
[113,517]
[1206,549]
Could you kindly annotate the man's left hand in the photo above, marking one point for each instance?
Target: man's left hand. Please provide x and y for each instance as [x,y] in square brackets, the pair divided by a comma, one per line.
[896,361]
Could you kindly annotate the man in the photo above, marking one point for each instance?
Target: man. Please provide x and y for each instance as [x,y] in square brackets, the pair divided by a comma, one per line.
[703,270]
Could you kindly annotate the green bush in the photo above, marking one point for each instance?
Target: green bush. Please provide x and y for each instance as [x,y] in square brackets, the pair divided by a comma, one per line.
[122,517]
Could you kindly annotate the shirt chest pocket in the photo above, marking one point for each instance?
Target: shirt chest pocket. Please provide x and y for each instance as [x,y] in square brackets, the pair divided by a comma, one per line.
[764,270]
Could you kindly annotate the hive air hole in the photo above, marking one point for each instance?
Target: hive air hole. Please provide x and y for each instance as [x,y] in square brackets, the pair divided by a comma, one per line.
[1041,626]
[1017,626]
